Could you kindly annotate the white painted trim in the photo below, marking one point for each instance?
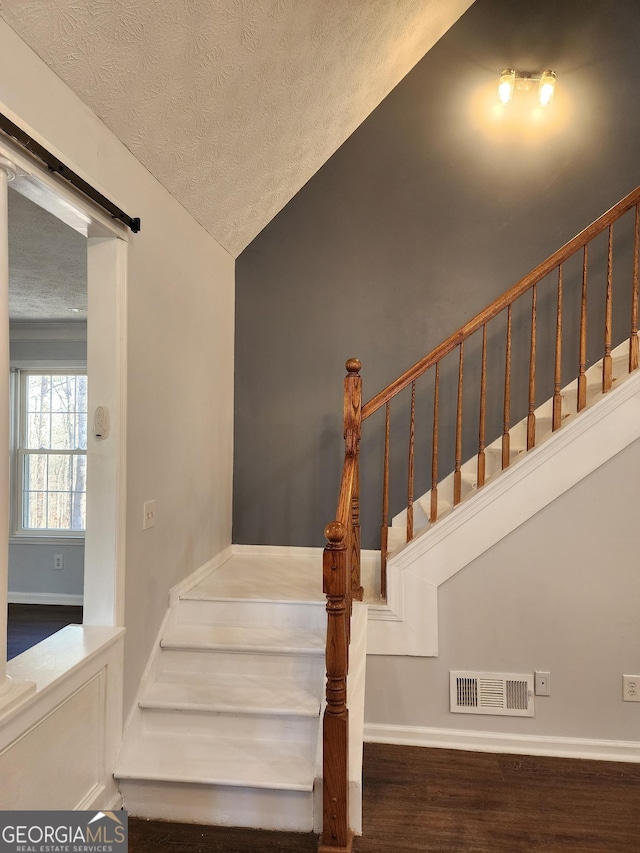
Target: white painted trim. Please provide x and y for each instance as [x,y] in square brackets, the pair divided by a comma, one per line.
[115,804]
[63,540]
[23,330]
[148,675]
[106,460]
[60,598]
[601,750]
[66,365]
[200,574]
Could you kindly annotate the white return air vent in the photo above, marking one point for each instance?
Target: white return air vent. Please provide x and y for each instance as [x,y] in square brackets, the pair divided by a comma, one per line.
[491,693]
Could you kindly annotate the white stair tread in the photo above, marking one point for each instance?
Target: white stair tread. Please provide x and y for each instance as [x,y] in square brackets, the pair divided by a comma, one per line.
[232,694]
[219,761]
[243,638]
[264,577]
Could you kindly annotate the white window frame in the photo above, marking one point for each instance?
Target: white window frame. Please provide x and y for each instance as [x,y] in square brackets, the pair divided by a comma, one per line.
[19,372]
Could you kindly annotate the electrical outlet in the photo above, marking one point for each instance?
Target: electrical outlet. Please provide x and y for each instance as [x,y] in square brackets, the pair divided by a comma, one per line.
[631,688]
[542,683]
[58,562]
[149,519]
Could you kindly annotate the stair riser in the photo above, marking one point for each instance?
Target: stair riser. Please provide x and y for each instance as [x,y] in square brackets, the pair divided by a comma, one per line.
[311,617]
[219,805]
[307,669]
[282,727]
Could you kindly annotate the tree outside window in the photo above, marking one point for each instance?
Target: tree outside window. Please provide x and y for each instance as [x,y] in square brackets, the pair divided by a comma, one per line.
[52,453]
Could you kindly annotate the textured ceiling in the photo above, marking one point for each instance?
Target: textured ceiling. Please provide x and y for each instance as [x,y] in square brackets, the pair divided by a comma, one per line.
[233,105]
[47,265]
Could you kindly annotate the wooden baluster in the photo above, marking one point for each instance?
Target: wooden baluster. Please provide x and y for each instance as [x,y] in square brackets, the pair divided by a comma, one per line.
[556,422]
[582,379]
[433,512]
[336,835]
[357,591]
[384,539]
[506,438]
[633,339]
[352,410]
[531,416]
[483,410]
[607,362]
[457,474]
[411,448]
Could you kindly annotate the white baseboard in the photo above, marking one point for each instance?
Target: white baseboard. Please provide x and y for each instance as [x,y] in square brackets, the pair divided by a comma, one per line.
[566,747]
[200,574]
[45,598]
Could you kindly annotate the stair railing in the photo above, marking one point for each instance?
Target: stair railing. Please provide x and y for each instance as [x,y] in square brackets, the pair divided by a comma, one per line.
[528,284]
[341,559]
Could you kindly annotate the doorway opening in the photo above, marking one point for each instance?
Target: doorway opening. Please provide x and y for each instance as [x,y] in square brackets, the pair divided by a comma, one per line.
[67,303]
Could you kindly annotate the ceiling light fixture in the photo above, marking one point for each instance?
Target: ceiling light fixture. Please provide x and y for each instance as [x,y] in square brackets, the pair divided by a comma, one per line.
[510,79]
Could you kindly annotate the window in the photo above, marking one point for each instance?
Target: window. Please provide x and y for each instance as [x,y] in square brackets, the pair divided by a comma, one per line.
[51,452]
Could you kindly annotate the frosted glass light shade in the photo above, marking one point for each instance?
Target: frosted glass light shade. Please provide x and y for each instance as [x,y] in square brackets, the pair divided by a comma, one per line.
[506,85]
[546,88]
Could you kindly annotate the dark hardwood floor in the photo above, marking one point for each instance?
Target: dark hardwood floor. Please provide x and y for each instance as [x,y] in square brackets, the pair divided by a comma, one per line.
[418,799]
[28,624]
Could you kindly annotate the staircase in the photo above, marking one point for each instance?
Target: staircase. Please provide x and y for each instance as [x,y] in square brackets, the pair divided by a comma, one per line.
[227,723]
[227,726]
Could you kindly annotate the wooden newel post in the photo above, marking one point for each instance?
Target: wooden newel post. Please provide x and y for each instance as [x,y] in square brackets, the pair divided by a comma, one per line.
[352,433]
[336,836]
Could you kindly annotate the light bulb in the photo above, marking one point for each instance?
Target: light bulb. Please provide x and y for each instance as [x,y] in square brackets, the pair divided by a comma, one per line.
[506,85]
[546,88]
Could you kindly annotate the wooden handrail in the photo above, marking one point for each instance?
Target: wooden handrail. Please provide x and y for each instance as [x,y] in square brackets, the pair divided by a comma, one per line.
[343,512]
[507,298]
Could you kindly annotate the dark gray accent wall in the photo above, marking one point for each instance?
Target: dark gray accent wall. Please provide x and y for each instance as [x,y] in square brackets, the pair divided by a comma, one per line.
[429,211]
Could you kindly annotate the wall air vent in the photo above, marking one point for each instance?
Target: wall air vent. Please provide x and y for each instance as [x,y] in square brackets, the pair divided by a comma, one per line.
[491,693]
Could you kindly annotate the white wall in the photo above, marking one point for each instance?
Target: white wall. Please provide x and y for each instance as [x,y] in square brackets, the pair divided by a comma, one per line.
[180,351]
[559,594]
[33,579]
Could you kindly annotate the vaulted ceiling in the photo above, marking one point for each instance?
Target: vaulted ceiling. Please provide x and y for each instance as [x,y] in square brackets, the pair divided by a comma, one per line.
[233,104]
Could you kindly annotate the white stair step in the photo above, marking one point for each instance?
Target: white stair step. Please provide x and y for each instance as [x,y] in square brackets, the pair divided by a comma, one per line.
[493,458]
[254,708]
[200,608]
[232,762]
[231,694]
[291,728]
[222,650]
[264,576]
[242,638]
[425,504]
[263,808]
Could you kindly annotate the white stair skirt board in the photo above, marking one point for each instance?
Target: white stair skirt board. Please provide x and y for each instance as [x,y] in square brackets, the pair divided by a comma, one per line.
[602,750]
[408,623]
[227,724]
